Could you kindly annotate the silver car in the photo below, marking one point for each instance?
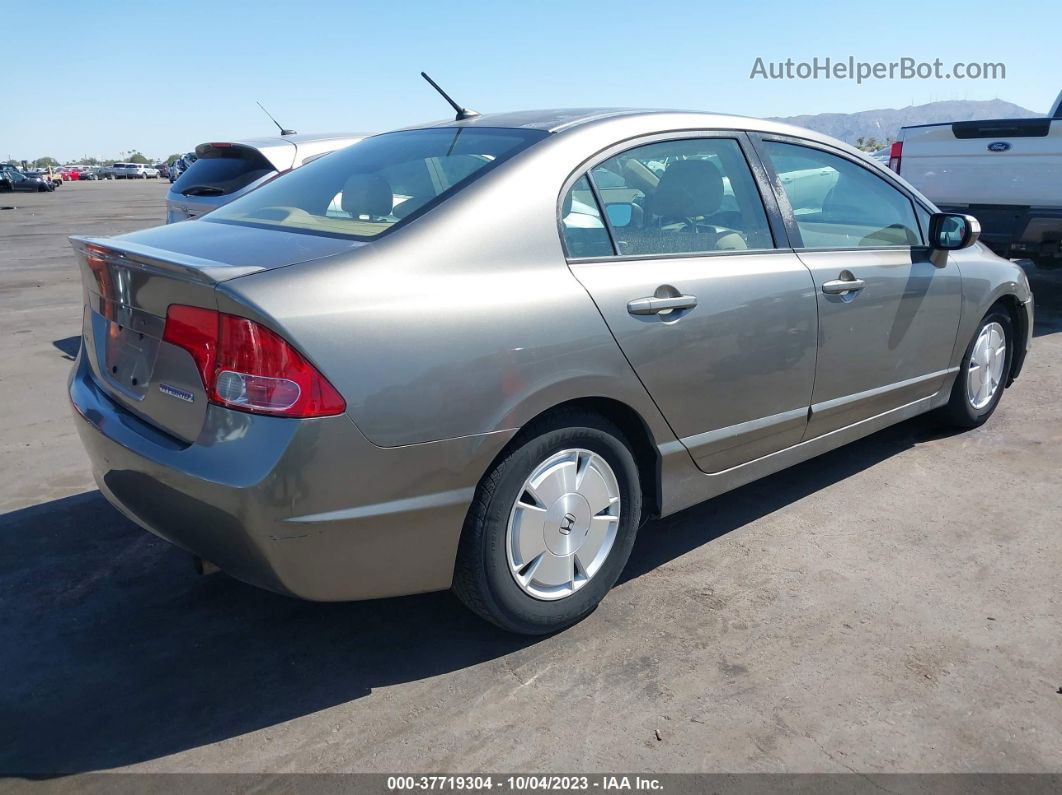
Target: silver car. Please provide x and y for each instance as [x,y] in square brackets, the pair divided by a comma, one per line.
[482,354]
[225,170]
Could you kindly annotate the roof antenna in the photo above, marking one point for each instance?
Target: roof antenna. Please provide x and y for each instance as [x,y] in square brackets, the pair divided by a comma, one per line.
[270,115]
[462,113]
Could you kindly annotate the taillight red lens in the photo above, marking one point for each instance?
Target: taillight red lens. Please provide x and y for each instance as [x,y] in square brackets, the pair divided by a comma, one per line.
[248,367]
[195,330]
[895,155]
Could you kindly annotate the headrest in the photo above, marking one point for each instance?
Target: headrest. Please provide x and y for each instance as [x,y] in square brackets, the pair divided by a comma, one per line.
[367,194]
[688,189]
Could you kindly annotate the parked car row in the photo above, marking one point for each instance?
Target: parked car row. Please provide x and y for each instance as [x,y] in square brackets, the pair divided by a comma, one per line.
[57,176]
[133,171]
[12,179]
[180,165]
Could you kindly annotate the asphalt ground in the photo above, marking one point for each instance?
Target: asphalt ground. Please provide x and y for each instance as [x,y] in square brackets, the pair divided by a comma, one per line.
[892,606]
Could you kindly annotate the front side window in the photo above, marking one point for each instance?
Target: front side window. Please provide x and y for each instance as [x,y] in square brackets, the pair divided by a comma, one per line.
[838,204]
[682,197]
[368,188]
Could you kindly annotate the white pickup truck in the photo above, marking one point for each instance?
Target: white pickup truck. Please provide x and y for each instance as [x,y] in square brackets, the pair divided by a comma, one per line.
[1005,172]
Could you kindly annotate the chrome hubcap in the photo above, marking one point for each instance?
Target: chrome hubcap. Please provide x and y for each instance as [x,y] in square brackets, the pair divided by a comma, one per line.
[563,524]
[986,365]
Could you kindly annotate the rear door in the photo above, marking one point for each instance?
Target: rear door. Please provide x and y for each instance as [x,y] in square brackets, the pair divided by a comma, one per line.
[888,315]
[718,322]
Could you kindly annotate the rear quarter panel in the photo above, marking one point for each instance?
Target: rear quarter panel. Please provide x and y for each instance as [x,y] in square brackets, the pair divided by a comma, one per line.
[466,321]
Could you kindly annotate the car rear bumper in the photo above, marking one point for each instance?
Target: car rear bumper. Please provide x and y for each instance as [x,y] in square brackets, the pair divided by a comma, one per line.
[308,508]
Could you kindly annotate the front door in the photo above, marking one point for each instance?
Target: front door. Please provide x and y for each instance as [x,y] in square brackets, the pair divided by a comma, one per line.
[719,325]
[888,316]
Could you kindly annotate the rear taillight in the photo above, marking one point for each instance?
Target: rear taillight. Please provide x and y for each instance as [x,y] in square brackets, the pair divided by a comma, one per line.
[895,153]
[248,367]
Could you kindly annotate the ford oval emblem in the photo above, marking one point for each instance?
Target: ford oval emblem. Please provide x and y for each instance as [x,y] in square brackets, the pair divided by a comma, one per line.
[998,146]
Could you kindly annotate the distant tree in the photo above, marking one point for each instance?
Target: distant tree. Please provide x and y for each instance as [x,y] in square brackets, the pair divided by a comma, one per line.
[44,162]
[136,157]
[89,161]
[871,144]
[173,158]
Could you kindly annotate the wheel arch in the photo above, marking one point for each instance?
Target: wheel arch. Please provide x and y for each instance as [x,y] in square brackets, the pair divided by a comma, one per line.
[635,430]
[1013,307]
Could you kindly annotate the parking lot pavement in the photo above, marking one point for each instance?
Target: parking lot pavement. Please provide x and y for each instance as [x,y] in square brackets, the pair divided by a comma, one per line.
[895,605]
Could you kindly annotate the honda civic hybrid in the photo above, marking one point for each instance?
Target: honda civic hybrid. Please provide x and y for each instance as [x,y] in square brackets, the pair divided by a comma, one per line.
[483,354]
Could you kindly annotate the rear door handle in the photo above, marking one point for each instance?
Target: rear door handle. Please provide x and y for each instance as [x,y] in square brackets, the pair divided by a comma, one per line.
[842,286]
[654,305]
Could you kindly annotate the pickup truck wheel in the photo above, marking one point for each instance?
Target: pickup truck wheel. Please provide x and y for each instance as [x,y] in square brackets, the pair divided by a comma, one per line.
[551,526]
[983,375]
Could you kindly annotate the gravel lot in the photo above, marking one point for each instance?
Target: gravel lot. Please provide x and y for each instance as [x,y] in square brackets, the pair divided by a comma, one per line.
[895,605]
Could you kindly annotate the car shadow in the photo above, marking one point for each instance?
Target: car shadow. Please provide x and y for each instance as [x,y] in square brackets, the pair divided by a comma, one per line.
[114,652]
[670,538]
[68,346]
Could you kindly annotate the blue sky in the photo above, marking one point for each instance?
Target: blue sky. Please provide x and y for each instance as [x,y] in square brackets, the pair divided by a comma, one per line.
[162,77]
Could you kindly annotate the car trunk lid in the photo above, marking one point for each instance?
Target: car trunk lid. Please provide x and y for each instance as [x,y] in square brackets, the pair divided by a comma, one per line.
[130,282]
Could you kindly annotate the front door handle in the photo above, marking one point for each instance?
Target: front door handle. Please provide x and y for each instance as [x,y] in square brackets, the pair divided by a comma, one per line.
[842,286]
[654,305]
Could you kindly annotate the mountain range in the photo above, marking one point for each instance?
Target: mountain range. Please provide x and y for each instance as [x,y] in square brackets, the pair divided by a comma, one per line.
[884,123]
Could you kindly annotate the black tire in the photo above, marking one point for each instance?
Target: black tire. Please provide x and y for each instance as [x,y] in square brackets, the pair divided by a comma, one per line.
[482,578]
[960,411]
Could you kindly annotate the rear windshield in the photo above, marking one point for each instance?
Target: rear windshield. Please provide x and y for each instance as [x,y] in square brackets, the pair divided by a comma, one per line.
[372,186]
[223,170]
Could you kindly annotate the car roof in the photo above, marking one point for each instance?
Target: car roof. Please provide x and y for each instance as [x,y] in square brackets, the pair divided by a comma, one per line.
[556,120]
[298,138]
[282,150]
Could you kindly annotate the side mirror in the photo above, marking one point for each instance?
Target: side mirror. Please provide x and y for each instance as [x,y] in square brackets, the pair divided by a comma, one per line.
[619,214]
[952,231]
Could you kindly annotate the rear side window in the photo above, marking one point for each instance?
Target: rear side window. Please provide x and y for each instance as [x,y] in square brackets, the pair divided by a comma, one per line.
[838,204]
[682,197]
[584,230]
[368,188]
[222,170]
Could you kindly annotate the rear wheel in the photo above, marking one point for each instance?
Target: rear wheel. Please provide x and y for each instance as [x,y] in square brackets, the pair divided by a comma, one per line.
[984,372]
[551,526]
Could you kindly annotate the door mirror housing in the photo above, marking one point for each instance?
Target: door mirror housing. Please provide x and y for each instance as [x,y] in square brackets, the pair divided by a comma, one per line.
[953,231]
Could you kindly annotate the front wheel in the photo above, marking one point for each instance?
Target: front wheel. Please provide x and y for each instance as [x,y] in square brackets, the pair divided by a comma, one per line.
[984,372]
[551,526]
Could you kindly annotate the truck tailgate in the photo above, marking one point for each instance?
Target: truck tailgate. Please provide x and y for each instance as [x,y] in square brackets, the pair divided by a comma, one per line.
[999,162]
